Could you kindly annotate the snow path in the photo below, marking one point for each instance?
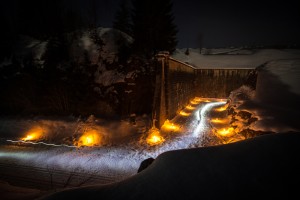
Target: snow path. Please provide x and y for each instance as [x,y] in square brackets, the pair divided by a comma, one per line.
[117,162]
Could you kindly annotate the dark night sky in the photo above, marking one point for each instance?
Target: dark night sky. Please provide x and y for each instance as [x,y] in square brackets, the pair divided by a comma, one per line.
[222,24]
[235,24]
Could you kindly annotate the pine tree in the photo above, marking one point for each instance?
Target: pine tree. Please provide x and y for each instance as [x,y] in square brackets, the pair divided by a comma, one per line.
[122,18]
[153,27]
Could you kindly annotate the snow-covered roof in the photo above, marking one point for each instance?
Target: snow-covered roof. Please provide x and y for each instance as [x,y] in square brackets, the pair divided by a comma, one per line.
[233,58]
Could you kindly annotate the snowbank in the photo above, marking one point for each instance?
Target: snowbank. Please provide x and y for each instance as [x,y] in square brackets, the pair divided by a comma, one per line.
[277,97]
[9,192]
[263,167]
[101,44]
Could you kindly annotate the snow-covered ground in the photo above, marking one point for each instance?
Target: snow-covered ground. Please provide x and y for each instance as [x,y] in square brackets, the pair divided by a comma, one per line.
[262,167]
[257,168]
[277,96]
[114,160]
[13,192]
[275,104]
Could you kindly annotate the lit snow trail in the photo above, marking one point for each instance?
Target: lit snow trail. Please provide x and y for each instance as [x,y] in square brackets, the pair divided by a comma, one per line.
[194,133]
[111,161]
[203,125]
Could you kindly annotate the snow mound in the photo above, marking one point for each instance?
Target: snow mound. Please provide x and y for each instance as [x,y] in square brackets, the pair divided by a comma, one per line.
[30,48]
[101,44]
[266,165]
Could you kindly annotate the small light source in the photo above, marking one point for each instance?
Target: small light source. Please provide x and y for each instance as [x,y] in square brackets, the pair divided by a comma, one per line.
[218,121]
[90,138]
[190,107]
[227,132]
[185,114]
[154,137]
[33,134]
[194,102]
[221,109]
[170,126]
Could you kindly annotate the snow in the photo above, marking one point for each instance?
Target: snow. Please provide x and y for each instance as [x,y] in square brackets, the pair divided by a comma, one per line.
[109,77]
[98,52]
[119,157]
[276,100]
[27,46]
[216,60]
[9,192]
[288,71]
[262,167]
[275,104]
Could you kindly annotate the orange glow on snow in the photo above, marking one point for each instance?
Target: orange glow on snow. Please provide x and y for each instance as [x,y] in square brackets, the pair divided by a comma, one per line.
[90,138]
[182,113]
[33,134]
[170,126]
[190,107]
[223,108]
[197,99]
[194,102]
[154,137]
[218,121]
[226,132]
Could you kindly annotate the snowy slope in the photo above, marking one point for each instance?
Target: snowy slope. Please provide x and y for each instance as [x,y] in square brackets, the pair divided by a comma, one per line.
[9,192]
[262,167]
[27,48]
[88,45]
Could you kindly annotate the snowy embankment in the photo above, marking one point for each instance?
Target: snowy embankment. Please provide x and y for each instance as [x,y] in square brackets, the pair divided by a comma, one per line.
[277,99]
[275,103]
[262,167]
[13,192]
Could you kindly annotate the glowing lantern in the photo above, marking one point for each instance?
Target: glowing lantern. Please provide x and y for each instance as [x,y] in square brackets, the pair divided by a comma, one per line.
[170,126]
[197,99]
[154,137]
[223,108]
[90,138]
[194,102]
[34,134]
[190,107]
[226,132]
[218,121]
[182,113]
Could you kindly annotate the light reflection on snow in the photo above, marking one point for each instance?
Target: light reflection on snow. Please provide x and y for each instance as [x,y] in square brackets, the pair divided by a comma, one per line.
[203,125]
[118,161]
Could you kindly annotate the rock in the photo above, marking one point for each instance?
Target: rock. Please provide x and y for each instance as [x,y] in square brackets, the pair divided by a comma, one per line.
[146,163]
